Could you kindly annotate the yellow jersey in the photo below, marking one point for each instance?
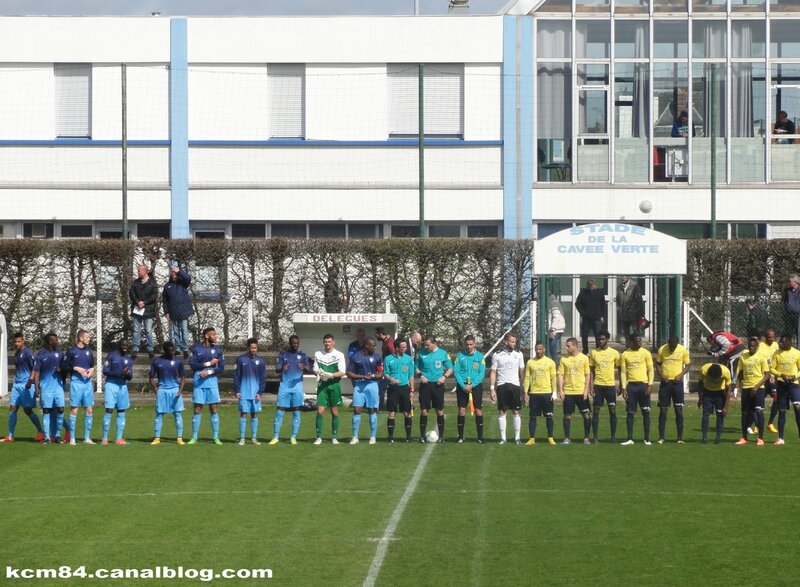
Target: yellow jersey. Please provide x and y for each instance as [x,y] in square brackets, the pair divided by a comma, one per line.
[751,369]
[574,371]
[769,350]
[604,362]
[636,367]
[708,384]
[785,363]
[540,375]
[672,362]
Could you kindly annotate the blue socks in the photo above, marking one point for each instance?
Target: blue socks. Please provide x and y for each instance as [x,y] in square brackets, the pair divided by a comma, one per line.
[196,425]
[120,424]
[46,426]
[35,419]
[178,424]
[356,424]
[242,426]
[73,419]
[12,423]
[373,425]
[106,424]
[295,424]
[253,427]
[215,425]
[87,426]
[276,426]
[157,426]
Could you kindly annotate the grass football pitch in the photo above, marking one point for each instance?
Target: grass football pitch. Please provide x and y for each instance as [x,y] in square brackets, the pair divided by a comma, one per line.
[403,514]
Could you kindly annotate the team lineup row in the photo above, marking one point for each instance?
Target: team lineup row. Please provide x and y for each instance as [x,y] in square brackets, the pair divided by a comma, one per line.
[401,371]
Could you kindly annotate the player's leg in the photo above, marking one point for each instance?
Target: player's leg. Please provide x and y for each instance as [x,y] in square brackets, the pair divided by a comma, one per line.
[107,423]
[477,402]
[708,407]
[664,401]
[34,418]
[719,404]
[502,408]
[280,411]
[157,424]
[359,402]
[596,407]
[297,399]
[566,422]
[644,403]
[12,422]
[46,423]
[783,405]
[516,405]
[533,411]
[242,423]
[335,424]
[197,418]
[550,421]
[630,407]
[586,412]
[746,415]
[73,419]
[424,406]
[214,418]
[462,399]
[319,418]
[391,407]
[256,410]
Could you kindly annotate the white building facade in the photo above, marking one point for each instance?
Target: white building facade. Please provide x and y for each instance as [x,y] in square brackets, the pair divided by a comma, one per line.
[534,120]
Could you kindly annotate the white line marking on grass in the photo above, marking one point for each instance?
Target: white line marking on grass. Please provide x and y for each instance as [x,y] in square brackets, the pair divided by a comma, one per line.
[391,527]
[550,491]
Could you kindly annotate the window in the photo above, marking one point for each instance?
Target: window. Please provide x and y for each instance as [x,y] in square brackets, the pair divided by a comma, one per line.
[443,87]
[365,230]
[286,100]
[73,94]
[110,234]
[152,230]
[76,231]
[37,229]
[326,230]
[444,230]
[289,230]
[482,231]
[210,234]
[405,231]
[248,230]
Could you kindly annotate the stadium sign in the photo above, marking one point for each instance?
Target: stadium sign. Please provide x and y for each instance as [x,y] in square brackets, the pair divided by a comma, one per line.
[609,249]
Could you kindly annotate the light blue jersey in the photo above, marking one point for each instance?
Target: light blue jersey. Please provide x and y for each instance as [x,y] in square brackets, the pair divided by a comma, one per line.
[471,367]
[400,368]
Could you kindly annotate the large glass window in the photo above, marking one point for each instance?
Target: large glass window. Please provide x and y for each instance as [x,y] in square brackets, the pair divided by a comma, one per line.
[709,102]
[593,38]
[784,38]
[632,6]
[631,122]
[554,121]
[749,126]
[672,122]
[670,39]
[669,5]
[592,5]
[709,5]
[631,39]
[553,39]
[747,5]
[709,38]
[784,138]
[748,38]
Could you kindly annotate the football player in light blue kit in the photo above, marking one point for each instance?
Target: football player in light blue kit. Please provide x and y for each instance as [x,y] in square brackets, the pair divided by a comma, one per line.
[22,390]
[364,370]
[80,365]
[118,370]
[249,381]
[49,383]
[291,365]
[168,378]
[207,362]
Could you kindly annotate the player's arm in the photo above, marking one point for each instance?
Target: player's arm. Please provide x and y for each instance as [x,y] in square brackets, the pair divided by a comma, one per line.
[219,367]
[648,361]
[182,375]
[560,384]
[623,373]
[587,381]
[448,366]
[526,380]
[481,374]
[280,364]
[378,370]
[727,398]
[351,372]
[262,380]
[553,380]
[700,388]
[341,368]
[493,381]
[110,367]
[458,372]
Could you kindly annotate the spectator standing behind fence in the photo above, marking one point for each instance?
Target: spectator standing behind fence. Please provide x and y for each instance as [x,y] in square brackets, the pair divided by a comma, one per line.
[556,324]
[791,303]
[591,305]
[757,319]
[630,306]
[178,308]
[143,294]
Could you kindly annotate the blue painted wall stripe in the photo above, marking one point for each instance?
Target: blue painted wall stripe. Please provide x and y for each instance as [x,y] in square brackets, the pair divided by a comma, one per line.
[528,162]
[509,127]
[179,128]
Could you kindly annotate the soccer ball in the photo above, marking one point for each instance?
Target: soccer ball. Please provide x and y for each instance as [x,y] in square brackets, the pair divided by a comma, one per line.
[432,436]
[646,206]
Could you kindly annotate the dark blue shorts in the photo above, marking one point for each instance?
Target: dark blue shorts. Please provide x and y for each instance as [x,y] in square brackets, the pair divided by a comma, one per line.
[671,393]
[752,402]
[541,404]
[637,397]
[571,401]
[787,393]
[508,397]
[605,394]
[713,401]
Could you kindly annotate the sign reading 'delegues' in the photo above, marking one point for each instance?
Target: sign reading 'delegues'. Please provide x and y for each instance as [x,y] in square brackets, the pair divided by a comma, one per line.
[609,249]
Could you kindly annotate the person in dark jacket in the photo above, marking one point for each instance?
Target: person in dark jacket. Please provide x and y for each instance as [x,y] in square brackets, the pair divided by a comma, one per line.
[178,307]
[591,305]
[143,294]
[630,306]
[757,319]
